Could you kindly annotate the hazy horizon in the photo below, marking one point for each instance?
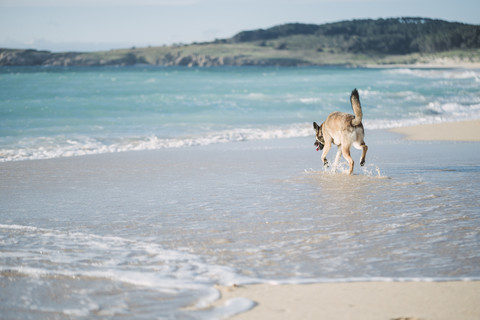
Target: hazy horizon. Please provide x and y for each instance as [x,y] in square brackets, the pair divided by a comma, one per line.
[87,25]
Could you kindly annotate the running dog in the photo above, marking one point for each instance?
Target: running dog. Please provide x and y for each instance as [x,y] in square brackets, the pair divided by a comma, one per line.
[343,130]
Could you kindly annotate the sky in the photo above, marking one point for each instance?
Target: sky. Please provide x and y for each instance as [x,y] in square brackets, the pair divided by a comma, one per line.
[91,25]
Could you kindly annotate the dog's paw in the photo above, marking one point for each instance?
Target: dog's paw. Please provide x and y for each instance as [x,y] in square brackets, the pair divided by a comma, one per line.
[362,163]
[325,163]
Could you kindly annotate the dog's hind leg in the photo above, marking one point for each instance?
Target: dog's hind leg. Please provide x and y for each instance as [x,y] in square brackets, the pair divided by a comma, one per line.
[346,155]
[337,158]
[364,153]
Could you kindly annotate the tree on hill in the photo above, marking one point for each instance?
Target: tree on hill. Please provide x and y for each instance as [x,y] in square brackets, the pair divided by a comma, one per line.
[381,36]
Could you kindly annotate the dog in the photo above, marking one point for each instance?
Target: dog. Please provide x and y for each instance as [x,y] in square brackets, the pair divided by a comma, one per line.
[343,130]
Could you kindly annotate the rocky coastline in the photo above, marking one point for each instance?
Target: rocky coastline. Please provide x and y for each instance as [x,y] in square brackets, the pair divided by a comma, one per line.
[30,57]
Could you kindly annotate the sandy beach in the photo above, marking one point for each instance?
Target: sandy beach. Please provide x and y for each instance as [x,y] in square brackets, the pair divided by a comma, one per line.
[371,300]
[292,224]
[153,193]
[362,300]
[449,131]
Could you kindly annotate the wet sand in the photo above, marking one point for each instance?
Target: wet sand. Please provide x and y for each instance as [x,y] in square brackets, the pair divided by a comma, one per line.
[124,185]
[371,300]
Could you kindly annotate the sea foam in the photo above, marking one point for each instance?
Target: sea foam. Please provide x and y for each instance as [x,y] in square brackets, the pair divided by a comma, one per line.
[61,146]
[81,257]
[438,73]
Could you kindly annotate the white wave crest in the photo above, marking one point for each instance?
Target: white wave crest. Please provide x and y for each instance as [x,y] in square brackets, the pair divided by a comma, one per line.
[453,108]
[310,100]
[438,73]
[61,146]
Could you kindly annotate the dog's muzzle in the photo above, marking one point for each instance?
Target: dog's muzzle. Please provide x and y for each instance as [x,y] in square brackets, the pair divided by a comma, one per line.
[319,145]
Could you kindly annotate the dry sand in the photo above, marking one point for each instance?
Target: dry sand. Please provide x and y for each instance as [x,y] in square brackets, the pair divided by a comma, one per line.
[449,131]
[457,300]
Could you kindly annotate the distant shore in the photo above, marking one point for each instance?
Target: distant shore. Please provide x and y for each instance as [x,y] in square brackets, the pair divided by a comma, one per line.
[361,301]
[448,131]
[243,54]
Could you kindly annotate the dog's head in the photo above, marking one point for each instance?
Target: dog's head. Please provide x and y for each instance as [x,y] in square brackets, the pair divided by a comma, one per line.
[320,141]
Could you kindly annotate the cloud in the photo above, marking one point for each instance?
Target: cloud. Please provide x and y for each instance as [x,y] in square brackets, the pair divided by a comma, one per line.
[95,3]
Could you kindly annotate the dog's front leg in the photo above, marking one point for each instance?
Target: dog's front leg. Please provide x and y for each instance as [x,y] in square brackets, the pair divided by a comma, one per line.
[328,145]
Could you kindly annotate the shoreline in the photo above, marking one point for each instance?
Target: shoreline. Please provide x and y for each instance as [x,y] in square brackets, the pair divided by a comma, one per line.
[468,131]
[200,56]
[346,64]
[455,131]
[377,300]
[359,300]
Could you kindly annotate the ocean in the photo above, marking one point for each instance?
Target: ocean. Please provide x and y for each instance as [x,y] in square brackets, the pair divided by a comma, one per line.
[62,112]
[131,192]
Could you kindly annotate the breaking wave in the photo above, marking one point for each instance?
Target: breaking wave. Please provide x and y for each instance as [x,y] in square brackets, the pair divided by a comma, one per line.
[438,73]
[38,148]
[61,146]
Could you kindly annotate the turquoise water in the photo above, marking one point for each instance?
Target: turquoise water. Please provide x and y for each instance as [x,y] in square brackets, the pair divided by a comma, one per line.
[132,192]
[58,112]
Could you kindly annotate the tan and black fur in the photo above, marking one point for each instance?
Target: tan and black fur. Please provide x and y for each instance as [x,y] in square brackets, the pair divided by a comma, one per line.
[344,130]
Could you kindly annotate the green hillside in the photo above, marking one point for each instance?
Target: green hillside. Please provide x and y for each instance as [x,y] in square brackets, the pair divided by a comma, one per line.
[355,43]
[382,36]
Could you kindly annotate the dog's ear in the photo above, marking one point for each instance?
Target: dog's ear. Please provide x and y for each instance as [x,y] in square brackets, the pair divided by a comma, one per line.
[315,126]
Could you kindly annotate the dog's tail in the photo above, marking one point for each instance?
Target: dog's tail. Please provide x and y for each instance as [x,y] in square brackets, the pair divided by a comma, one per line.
[357,108]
